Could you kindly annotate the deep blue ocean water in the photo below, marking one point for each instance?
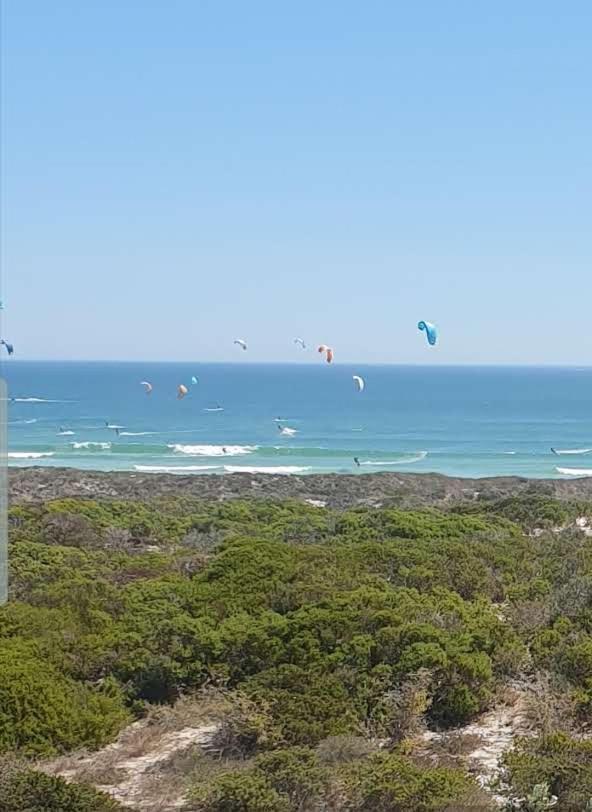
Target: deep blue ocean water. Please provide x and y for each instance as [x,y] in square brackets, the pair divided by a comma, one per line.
[463,421]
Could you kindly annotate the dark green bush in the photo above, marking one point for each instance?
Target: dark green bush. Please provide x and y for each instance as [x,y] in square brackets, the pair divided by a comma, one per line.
[391,783]
[247,791]
[322,622]
[562,763]
[25,790]
[296,774]
[43,712]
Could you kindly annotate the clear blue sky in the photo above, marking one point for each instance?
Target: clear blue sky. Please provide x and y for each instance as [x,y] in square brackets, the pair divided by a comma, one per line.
[179,173]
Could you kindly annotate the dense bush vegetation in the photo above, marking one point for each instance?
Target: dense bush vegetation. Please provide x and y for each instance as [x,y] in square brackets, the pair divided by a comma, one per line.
[42,710]
[27,790]
[561,763]
[331,625]
[388,783]
[294,780]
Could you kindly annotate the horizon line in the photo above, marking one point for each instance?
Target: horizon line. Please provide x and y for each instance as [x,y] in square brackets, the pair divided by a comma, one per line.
[469,364]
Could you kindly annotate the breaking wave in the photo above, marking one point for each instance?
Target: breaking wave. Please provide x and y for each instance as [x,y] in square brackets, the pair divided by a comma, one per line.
[38,400]
[580,472]
[266,469]
[401,461]
[88,446]
[174,469]
[138,433]
[29,455]
[212,450]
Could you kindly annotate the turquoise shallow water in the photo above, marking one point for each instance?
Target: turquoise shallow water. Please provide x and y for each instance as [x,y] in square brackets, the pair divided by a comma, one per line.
[462,421]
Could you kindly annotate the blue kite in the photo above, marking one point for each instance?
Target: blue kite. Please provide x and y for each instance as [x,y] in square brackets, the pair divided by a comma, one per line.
[430,331]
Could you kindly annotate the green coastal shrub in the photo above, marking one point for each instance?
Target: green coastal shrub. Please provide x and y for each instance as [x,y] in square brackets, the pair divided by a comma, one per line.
[289,780]
[532,510]
[558,761]
[392,783]
[42,712]
[25,790]
[329,625]
[247,791]
[307,706]
[293,780]
[296,774]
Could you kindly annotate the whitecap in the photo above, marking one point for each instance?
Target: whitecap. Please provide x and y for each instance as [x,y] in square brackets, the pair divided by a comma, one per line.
[66,433]
[571,450]
[581,472]
[213,450]
[401,461]
[275,469]
[138,433]
[173,469]
[29,455]
[88,446]
[37,400]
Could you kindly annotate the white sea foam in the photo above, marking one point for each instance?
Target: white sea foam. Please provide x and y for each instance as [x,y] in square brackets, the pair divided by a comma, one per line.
[421,455]
[571,450]
[575,471]
[274,469]
[288,432]
[174,469]
[66,433]
[216,409]
[37,400]
[113,426]
[29,455]
[22,422]
[88,446]
[213,450]
[138,433]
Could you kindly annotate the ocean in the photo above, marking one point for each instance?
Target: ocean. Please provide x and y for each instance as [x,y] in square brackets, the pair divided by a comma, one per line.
[461,421]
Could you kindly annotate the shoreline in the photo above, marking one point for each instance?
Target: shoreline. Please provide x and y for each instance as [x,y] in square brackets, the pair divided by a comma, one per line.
[340,491]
